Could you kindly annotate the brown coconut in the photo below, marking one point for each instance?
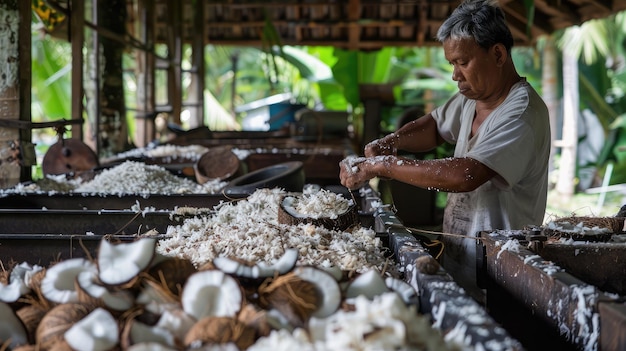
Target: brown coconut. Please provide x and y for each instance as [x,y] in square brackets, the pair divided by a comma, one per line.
[295,298]
[173,273]
[57,321]
[256,318]
[220,330]
[31,315]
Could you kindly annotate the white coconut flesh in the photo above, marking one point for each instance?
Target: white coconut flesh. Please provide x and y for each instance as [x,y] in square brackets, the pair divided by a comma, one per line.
[317,204]
[58,285]
[98,331]
[261,270]
[327,286]
[12,291]
[140,333]
[176,321]
[369,284]
[154,299]
[12,329]
[211,293]
[120,263]
[119,300]
[19,282]
[404,289]
[149,346]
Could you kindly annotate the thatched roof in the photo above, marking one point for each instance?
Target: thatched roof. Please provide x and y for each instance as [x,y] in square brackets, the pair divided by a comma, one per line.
[355,24]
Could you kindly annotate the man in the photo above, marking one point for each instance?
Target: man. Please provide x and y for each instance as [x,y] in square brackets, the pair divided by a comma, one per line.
[498,177]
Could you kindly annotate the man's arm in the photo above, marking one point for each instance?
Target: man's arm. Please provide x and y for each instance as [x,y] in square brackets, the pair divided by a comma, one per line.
[416,136]
[448,174]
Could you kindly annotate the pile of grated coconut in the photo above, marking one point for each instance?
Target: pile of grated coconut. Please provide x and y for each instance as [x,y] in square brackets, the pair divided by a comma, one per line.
[248,229]
[127,178]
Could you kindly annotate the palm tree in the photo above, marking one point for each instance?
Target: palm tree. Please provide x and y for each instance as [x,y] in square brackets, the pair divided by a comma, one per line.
[590,42]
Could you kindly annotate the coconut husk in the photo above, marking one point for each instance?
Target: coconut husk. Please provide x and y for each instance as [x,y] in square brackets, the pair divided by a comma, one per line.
[173,273]
[295,298]
[59,320]
[220,330]
[31,316]
[255,318]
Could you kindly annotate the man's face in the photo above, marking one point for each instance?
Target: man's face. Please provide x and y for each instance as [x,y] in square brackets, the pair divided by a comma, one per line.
[475,69]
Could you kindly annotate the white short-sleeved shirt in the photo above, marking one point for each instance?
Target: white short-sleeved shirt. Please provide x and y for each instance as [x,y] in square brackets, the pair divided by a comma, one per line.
[514,141]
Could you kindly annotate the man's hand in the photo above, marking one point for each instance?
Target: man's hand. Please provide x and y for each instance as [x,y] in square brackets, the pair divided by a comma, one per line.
[353,172]
[382,146]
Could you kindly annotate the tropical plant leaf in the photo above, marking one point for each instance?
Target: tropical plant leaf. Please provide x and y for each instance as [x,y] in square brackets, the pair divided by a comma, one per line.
[310,67]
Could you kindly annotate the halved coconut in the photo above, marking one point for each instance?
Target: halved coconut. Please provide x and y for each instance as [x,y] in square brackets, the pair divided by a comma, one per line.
[404,289]
[255,317]
[212,293]
[31,315]
[260,270]
[328,289]
[120,263]
[176,321]
[98,331]
[58,285]
[172,272]
[369,284]
[18,282]
[57,321]
[12,330]
[136,332]
[295,298]
[90,290]
[149,346]
[220,330]
[332,218]
[155,297]
[13,291]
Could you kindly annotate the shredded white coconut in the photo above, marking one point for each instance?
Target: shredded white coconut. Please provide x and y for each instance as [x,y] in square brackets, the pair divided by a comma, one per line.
[320,203]
[248,229]
[127,178]
[383,323]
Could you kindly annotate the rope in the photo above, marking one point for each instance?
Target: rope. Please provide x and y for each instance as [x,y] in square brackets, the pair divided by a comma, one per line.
[443,233]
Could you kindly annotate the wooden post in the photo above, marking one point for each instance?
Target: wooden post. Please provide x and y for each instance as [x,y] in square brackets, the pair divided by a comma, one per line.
[195,101]
[77,39]
[27,149]
[374,97]
[10,79]
[145,130]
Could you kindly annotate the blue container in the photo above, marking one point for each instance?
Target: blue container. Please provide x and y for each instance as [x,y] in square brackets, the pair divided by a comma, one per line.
[282,113]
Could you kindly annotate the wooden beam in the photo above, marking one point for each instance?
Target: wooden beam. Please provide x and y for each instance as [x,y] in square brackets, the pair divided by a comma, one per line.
[77,40]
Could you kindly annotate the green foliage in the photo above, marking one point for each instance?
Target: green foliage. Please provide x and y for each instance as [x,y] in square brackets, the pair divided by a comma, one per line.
[51,72]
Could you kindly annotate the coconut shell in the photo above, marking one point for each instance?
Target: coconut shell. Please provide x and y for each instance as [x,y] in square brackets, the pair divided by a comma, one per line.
[25,348]
[31,315]
[217,163]
[343,221]
[57,321]
[221,330]
[173,272]
[4,277]
[295,298]
[255,318]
